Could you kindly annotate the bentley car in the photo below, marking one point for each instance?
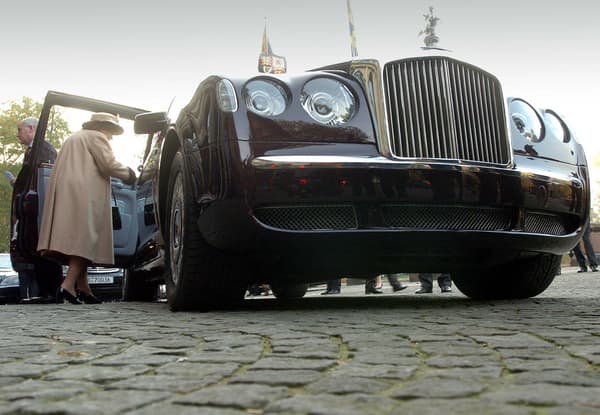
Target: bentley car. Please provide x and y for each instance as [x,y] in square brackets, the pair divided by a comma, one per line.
[354,169]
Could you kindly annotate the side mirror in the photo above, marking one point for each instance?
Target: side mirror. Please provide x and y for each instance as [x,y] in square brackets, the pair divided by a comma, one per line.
[150,122]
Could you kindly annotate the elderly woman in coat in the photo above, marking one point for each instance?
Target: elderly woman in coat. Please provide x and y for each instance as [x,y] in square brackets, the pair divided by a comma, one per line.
[77,219]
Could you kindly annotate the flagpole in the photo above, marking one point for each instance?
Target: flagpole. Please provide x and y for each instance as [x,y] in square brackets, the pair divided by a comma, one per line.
[353,49]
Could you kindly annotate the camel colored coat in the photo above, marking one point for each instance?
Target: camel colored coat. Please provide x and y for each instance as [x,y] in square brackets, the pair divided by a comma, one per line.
[77,217]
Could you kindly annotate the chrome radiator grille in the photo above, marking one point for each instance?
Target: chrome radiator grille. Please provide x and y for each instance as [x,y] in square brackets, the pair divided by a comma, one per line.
[440,108]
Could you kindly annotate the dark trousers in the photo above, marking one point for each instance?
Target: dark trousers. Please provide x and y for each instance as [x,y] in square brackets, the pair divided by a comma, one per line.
[443,280]
[393,280]
[28,286]
[334,284]
[48,275]
[589,250]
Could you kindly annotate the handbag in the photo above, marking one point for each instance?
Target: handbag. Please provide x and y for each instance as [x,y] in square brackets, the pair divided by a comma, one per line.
[116,215]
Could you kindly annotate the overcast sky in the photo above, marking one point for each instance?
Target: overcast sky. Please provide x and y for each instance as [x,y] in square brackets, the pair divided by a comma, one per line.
[145,53]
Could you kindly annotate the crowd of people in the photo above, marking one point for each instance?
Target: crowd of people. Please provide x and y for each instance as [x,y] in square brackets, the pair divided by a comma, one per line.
[375,285]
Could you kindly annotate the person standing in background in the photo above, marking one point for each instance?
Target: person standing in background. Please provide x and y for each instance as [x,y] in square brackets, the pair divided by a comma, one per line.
[39,280]
[426,279]
[589,251]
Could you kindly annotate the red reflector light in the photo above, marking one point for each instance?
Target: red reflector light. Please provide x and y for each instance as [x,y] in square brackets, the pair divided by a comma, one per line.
[303,181]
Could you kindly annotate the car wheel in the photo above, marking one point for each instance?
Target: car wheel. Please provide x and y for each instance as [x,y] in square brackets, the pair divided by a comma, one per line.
[137,288]
[198,276]
[522,278]
[288,291]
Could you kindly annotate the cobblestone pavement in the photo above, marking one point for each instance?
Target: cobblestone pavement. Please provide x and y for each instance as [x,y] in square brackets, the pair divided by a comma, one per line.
[351,354]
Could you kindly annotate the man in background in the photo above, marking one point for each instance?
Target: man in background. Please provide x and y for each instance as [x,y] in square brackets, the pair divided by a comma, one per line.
[39,280]
[589,252]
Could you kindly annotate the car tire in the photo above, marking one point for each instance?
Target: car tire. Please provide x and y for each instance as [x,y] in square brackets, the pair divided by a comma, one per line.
[523,278]
[137,288]
[288,291]
[198,276]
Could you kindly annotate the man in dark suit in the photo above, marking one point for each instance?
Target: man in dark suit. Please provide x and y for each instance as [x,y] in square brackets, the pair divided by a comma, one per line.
[38,281]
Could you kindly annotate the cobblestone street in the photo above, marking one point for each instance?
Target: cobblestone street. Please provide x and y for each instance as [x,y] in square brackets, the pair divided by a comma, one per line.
[350,354]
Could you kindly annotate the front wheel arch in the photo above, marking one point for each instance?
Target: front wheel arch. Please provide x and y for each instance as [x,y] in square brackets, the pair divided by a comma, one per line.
[171,147]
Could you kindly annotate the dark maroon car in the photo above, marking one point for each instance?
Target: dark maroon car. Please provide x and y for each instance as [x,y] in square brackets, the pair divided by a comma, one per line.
[351,170]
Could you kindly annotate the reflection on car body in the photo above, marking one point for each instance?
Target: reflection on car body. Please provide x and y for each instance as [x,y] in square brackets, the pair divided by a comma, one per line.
[9,281]
[422,165]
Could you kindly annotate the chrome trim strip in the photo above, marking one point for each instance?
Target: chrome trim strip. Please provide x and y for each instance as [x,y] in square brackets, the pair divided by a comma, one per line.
[368,73]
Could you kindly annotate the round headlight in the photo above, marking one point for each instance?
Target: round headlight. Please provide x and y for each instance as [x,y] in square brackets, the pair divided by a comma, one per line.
[265,97]
[527,120]
[556,126]
[328,101]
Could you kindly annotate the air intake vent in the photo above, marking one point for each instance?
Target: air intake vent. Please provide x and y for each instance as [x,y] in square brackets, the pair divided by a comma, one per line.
[445,218]
[544,224]
[308,218]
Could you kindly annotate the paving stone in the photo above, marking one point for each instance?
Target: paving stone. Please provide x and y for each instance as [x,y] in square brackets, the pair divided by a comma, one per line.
[187,369]
[27,370]
[558,377]
[39,389]
[234,396]
[438,388]
[460,407]
[591,353]
[375,371]
[462,361]
[10,380]
[342,385]
[168,383]
[512,341]
[481,373]
[332,405]
[275,363]
[167,409]
[101,402]
[552,363]
[547,395]
[97,373]
[278,377]
[241,355]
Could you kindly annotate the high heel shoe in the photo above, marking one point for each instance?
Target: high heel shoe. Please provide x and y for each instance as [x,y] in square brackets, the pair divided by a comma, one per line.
[88,298]
[62,295]
[371,288]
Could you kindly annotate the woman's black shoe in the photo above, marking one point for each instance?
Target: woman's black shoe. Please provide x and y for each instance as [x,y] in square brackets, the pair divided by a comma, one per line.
[88,298]
[62,295]
[370,288]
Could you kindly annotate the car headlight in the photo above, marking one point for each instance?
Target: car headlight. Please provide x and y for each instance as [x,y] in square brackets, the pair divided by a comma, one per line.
[527,120]
[265,97]
[226,96]
[328,101]
[556,126]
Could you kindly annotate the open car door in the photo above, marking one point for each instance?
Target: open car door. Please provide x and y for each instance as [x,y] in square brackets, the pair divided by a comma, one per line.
[30,187]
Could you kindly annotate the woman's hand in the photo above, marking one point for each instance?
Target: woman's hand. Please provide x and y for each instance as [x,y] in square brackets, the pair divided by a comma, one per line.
[132,178]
